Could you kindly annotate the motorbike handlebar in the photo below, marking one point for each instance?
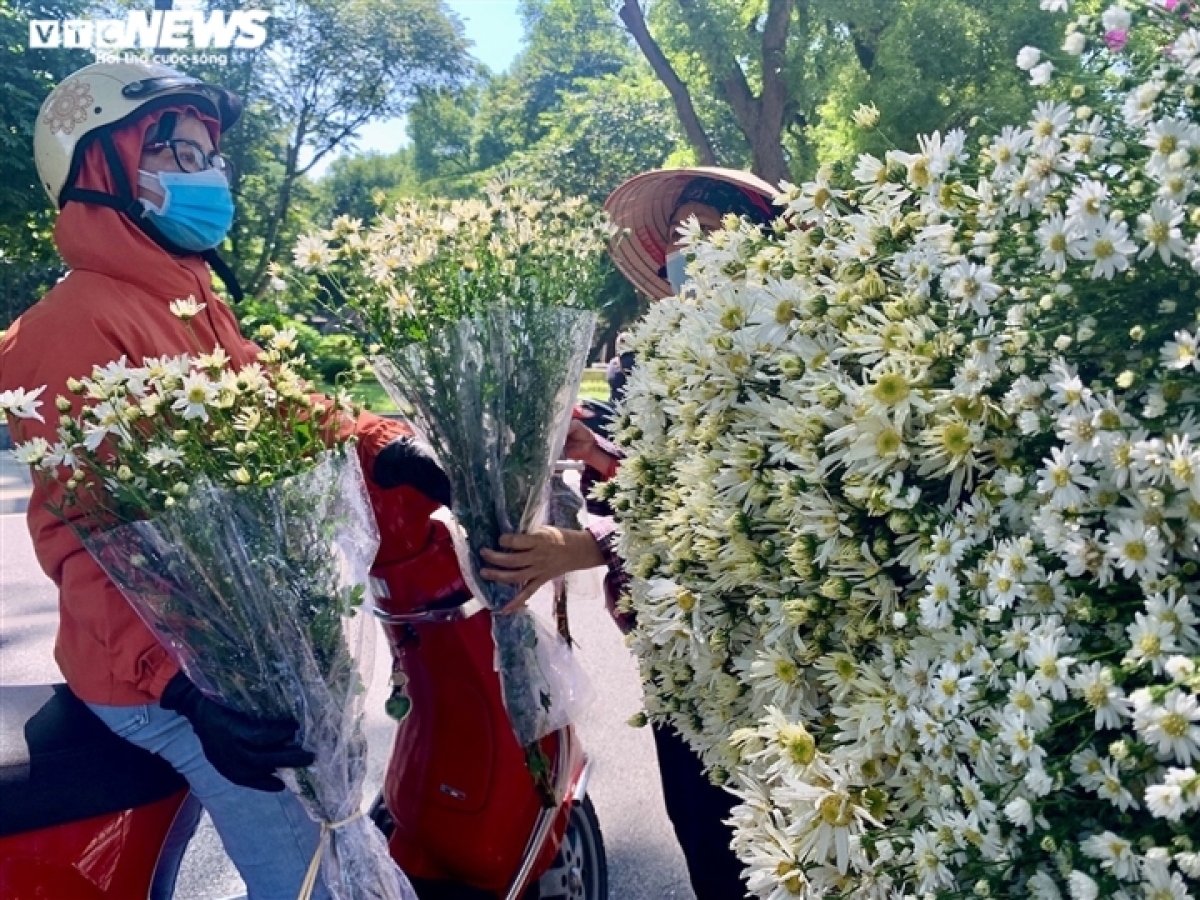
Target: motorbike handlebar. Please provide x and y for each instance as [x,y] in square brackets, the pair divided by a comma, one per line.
[455,609]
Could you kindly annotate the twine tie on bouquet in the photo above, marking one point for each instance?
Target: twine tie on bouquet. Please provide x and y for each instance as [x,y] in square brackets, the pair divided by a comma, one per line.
[314,865]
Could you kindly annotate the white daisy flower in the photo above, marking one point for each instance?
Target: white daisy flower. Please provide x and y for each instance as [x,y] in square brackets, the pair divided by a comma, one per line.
[1095,685]
[1062,478]
[1058,239]
[1116,18]
[1151,640]
[1109,248]
[1137,550]
[1181,353]
[1171,727]
[1028,57]
[1081,886]
[1040,75]
[1114,854]
[1159,228]
[196,394]
[1088,204]
[187,307]
[22,403]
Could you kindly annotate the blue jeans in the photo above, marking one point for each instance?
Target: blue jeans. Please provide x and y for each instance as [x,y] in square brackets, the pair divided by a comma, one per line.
[269,837]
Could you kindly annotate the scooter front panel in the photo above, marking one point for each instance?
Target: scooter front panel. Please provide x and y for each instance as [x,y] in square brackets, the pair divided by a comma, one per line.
[110,857]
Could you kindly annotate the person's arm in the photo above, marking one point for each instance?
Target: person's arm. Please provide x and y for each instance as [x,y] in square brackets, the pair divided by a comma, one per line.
[616,579]
[533,559]
[544,554]
[594,451]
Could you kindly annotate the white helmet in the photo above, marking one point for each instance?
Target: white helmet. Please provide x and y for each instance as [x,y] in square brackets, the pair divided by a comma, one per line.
[107,94]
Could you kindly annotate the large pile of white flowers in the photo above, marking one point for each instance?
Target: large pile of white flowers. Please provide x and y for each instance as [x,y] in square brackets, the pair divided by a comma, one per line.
[913,498]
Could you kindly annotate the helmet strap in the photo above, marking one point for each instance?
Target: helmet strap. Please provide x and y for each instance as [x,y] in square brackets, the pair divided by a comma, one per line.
[124,201]
[225,272]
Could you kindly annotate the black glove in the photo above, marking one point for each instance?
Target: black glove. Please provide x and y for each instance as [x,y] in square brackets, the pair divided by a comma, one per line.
[405,461]
[245,750]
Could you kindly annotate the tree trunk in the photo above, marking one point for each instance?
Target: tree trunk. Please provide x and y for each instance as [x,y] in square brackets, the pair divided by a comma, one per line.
[258,280]
[635,23]
[761,118]
[767,143]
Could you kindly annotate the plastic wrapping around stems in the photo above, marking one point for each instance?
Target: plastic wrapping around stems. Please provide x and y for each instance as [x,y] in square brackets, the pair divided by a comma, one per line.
[258,594]
[492,396]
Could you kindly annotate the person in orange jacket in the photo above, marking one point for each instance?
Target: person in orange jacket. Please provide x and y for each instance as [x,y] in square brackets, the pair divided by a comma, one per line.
[649,208]
[129,154]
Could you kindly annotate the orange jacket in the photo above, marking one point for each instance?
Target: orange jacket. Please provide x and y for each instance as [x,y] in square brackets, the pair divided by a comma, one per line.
[115,302]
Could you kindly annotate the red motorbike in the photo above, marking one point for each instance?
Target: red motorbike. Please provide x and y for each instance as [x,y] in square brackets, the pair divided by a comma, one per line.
[84,814]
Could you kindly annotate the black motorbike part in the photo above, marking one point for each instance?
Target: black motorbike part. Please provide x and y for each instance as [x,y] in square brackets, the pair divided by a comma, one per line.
[406,462]
[580,871]
[59,763]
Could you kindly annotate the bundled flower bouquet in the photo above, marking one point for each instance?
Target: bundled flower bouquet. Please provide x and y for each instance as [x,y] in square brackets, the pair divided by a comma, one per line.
[913,492]
[477,312]
[233,519]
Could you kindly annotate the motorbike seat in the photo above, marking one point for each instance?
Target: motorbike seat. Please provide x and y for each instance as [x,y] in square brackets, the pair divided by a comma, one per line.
[59,763]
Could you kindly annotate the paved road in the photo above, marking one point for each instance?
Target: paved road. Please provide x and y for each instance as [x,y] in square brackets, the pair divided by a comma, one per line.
[644,860]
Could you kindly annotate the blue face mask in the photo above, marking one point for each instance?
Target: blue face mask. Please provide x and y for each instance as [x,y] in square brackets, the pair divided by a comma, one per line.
[197,209]
[677,270]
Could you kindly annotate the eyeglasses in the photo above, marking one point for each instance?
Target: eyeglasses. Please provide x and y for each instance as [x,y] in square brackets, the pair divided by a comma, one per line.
[190,156]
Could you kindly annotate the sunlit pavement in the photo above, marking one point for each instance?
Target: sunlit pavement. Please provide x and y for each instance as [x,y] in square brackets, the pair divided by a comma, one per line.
[14,485]
[644,860]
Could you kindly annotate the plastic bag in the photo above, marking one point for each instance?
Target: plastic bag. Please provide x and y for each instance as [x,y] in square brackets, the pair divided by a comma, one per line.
[492,396]
[260,595]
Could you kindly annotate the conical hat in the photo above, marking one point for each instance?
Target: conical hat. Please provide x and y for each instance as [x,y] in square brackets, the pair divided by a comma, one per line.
[641,208]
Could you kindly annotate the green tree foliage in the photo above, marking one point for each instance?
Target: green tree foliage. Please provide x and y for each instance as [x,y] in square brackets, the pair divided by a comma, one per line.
[565,40]
[926,64]
[442,126]
[603,131]
[26,77]
[327,68]
[357,185]
[29,264]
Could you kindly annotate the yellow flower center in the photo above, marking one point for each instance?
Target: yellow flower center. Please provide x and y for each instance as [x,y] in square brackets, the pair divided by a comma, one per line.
[1174,724]
[891,389]
[957,439]
[1136,550]
[834,811]
[888,442]
[798,744]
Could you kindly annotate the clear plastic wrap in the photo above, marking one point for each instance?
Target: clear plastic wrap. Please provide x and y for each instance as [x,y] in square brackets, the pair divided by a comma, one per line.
[492,396]
[259,594]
